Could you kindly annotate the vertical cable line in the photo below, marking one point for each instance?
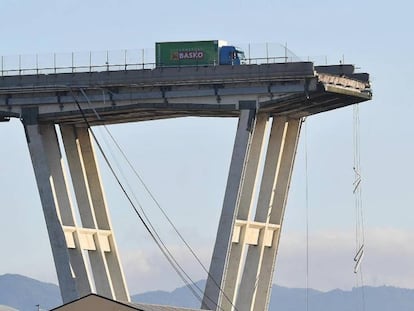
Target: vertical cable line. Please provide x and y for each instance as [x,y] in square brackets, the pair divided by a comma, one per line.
[359,214]
[306,211]
[163,248]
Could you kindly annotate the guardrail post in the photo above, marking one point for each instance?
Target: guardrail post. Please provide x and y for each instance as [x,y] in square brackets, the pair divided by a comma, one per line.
[125,59]
[107,60]
[286,58]
[73,62]
[250,58]
[267,52]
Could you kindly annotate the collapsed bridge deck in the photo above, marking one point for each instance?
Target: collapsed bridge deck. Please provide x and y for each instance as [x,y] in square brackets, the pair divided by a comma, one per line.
[292,89]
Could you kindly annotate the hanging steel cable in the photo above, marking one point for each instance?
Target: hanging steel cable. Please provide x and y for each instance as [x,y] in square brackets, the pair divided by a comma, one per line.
[143,216]
[156,202]
[359,214]
[167,217]
[307,213]
[192,286]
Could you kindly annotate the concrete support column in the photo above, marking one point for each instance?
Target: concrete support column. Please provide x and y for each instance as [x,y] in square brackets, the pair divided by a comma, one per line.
[72,245]
[255,284]
[246,247]
[213,294]
[275,215]
[246,197]
[45,157]
[96,235]
[64,206]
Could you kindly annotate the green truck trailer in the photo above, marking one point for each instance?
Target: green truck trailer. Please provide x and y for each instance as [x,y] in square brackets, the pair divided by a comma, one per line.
[196,53]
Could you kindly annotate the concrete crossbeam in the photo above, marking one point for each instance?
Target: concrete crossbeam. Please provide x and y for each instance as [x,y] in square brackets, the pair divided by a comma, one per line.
[248,232]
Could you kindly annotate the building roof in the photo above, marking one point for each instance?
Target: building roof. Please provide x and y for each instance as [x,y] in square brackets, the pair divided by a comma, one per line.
[97,302]
[150,307]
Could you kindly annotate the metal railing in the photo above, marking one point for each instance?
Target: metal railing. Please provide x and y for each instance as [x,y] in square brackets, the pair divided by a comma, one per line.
[74,62]
[54,63]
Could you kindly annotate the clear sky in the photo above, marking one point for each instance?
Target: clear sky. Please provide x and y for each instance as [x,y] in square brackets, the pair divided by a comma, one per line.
[185,161]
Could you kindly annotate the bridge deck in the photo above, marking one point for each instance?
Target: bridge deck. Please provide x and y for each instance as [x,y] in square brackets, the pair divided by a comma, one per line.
[293,89]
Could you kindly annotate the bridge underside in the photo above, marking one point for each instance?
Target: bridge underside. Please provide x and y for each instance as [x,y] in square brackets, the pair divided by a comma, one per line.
[269,98]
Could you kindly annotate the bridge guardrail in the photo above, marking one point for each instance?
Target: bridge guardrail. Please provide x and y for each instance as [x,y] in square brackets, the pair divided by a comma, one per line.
[132,59]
